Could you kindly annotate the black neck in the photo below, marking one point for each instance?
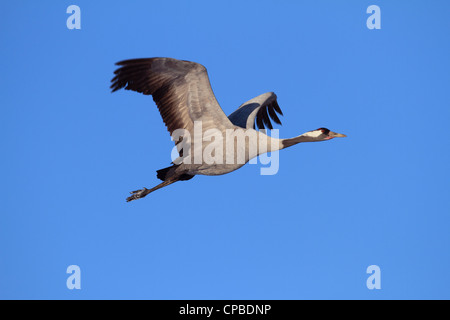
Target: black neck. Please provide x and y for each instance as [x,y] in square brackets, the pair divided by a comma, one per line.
[292,141]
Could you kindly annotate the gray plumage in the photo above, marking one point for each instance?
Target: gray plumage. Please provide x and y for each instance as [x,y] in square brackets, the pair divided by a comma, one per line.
[183,95]
[262,108]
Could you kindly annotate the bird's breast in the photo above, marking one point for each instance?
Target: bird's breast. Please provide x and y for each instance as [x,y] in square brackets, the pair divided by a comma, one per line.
[221,152]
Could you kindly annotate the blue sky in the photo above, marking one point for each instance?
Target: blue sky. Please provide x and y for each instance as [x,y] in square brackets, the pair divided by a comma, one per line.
[71,152]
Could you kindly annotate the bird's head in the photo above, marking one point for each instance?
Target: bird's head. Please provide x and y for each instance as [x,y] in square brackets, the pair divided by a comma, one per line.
[322,134]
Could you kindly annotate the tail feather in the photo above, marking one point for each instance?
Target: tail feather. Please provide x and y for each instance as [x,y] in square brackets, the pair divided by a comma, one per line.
[166,173]
[162,173]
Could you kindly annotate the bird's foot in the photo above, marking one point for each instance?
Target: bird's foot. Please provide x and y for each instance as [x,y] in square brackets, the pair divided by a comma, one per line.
[137,194]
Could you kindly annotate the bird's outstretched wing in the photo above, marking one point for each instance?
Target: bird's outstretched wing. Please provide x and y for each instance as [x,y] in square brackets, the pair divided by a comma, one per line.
[180,89]
[263,108]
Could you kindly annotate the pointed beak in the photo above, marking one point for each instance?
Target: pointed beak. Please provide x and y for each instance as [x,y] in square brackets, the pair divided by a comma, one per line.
[337,135]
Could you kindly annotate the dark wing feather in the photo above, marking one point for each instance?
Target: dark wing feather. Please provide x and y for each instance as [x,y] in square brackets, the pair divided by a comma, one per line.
[261,110]
[273,114]
[180,89]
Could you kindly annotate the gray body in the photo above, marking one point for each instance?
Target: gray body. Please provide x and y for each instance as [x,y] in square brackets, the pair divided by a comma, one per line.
[183,94]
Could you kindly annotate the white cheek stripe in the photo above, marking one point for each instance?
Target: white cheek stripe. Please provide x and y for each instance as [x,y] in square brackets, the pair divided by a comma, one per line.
[313,134]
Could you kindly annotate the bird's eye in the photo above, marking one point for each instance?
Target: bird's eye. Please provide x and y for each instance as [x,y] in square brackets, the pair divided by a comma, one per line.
[324,130]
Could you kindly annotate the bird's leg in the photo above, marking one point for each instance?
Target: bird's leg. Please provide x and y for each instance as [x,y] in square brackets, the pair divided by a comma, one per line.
[138,194]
